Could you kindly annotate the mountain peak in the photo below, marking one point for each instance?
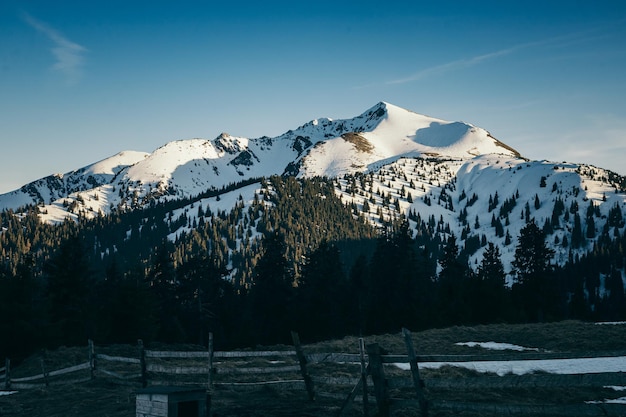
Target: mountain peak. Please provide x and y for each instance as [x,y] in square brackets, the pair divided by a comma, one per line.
[326,147]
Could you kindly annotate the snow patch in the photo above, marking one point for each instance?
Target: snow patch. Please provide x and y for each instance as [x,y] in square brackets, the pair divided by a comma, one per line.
[521,367]
[496,346]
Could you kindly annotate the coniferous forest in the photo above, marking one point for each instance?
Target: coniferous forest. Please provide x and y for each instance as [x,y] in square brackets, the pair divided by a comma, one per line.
[296,259]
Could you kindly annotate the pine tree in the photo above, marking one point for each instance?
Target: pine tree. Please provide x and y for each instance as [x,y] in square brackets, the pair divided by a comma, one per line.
[69,281]
[271,293]
[491,295]
[534,273]
[393,284]
[453,285]
[163,283]
[322,294]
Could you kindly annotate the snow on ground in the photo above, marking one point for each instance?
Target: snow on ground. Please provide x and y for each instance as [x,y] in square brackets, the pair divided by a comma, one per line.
[496,346]
[521,367]
[7,392]
[621,400]
[611,322]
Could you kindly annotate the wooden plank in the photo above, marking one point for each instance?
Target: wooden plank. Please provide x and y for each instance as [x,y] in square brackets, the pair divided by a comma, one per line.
[152,411]
[363,376]
[43,367]
[415,373]
[210,362]
[176,370]
[142,363]
[117,358]
[397,358]
[28,378]
[146,401]
[302,360]
[117,375]
[26,386]
[335,380]
[242,354]
[350,398]
[7,374]
[71,381]
[175,354]
[257,370]
[42,384]
[377,372]
[285,385]
[92,357]
[349,358]
[71,369]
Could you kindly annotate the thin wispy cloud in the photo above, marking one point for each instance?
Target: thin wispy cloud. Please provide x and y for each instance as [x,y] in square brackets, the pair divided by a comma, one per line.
[68,55]
[451,66]
[560,41]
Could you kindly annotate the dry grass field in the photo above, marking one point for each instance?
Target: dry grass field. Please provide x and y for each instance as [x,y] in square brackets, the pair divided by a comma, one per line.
[102,397]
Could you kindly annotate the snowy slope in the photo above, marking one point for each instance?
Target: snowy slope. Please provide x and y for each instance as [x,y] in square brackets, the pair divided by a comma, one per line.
[387,132]
[186,168]
[393,160]
[51,188]
[456,194]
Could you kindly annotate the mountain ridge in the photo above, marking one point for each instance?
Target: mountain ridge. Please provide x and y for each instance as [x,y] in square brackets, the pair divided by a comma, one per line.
[321,147]
[386,163]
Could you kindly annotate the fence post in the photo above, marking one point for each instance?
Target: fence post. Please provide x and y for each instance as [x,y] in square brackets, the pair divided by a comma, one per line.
[210,376]
[7,374]
[362,383]
[43,367]
[363,376]
[415,372]
[142,361]
[378,377]
[92,358]
[308,382]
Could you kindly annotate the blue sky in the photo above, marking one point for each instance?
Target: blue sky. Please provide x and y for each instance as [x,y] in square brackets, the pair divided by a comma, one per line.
[81,81]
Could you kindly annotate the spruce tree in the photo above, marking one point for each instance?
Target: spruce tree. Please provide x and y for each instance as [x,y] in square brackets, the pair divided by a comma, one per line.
[453,285]
[322,294]
[69,281]
[534,273]
[271,293]
[490,302]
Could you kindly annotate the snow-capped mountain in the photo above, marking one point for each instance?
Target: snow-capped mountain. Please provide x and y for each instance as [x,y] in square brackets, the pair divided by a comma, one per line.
[322,147]
[386,162]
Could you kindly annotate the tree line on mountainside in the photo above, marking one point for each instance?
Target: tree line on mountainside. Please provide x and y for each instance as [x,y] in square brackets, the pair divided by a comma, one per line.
[315,267]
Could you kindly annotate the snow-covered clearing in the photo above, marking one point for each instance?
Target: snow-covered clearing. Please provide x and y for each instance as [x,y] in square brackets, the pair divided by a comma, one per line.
[496,346]
[521,367]
[7,392]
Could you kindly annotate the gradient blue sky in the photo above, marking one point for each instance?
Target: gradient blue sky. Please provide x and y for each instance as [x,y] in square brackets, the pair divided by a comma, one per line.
[83,80]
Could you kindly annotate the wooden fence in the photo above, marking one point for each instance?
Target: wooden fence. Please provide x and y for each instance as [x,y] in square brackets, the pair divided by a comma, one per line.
[346,378]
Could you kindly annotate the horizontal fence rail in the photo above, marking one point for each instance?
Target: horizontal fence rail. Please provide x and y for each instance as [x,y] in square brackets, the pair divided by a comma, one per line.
[117,359]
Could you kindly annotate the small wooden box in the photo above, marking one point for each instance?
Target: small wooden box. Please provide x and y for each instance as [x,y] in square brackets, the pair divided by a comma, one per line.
[172,401]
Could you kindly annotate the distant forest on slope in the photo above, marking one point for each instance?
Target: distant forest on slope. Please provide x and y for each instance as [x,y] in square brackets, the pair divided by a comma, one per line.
[297,259]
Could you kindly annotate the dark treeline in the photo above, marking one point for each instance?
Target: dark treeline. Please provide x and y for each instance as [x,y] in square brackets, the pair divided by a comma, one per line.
[296,259]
